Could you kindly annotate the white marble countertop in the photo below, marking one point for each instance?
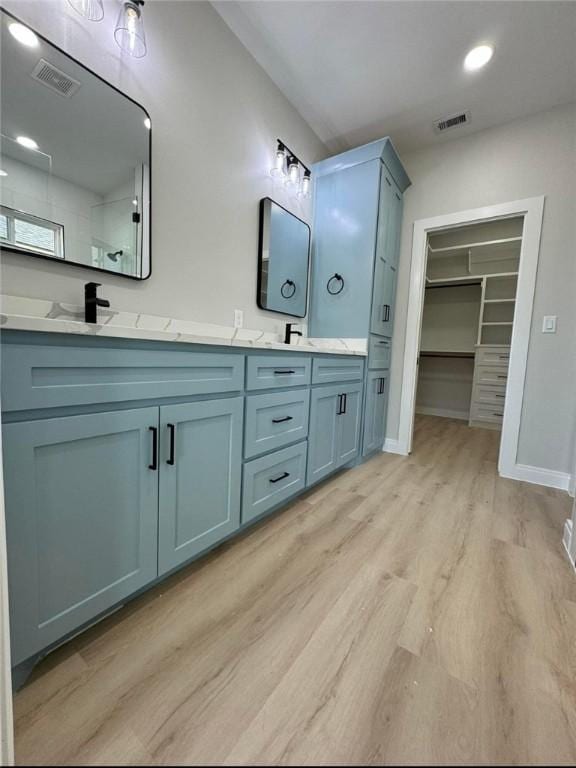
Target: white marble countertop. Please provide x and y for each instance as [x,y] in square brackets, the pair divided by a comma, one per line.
[25,314]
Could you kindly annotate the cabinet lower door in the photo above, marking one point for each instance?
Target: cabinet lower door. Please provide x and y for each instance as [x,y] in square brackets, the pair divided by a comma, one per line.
[200,477]
[82,514]
[323,433]
[348,443]
[375,411]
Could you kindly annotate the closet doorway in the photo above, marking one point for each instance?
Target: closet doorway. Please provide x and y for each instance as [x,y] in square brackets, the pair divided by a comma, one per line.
[469,314]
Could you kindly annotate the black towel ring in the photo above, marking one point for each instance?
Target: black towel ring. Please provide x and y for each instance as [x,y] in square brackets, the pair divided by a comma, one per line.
[340,280]
[286,293]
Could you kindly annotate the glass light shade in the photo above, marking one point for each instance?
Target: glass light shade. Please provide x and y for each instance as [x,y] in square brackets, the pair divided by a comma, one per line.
[90,9]
[129,32]
[280,159]
[478,57]
[304,190]
[293,176]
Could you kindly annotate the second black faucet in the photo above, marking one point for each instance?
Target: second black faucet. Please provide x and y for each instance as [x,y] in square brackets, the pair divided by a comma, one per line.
[289,333]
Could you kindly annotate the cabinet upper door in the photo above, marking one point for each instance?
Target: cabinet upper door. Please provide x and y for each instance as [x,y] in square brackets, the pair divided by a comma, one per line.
[386,259]
[349,423]
[323,432]
[82,513]
[346,217]
[200,477]
[375,411]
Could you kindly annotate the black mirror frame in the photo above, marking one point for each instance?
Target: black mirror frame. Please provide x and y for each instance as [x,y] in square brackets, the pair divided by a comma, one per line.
[52,260]
[260,259]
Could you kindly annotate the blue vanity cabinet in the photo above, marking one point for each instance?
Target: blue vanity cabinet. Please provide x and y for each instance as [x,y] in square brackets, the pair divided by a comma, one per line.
[200,477]
[82,517]
[375,411]
[335,424]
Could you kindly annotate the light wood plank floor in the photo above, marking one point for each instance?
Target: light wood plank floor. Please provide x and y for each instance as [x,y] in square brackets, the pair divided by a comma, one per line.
[413,610]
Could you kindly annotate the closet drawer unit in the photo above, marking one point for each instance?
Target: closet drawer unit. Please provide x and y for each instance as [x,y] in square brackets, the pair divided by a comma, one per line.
[333,369]
[49,376]
[379,351]
[490,413]
[263,372]
[275,419]
[272,479]
[493,355]
[489,395]
[490,374]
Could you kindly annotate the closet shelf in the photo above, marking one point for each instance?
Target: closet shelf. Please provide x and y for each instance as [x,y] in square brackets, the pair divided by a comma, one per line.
[490,323]
[504,241]
[499,301]
[446,353]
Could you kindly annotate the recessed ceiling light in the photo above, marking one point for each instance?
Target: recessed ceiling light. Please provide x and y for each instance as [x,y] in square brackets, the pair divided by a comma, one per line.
[3,172]
[478,57]
[147,123]
[23,34]
[24,141]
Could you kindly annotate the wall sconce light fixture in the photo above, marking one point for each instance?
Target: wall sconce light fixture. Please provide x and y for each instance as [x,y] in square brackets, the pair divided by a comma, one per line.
[90,9]
[289,167]
[129,32]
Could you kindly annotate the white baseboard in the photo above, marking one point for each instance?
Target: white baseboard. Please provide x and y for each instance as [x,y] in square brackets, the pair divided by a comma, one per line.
[539,476]
[446,413]
[393,446]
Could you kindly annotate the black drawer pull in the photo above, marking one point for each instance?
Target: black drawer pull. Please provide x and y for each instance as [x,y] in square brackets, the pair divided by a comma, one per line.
[154,464]
[496,414]
[280,477]
[501,376]
[344,402]
[284,418]
[279,373]
[499,395]
[383,342]
[172,430]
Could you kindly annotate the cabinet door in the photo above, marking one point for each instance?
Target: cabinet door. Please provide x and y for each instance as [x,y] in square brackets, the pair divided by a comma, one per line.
[82,515]
[200,471]
[375,411]
[386,261]
[323,433]
[349,421]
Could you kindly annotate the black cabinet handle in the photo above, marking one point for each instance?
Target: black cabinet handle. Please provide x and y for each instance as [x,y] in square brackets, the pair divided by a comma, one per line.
[279,373]
[154,464]
[381,386]
[284,418]
[344,402]
[172,430]
[339,406]
[280,477]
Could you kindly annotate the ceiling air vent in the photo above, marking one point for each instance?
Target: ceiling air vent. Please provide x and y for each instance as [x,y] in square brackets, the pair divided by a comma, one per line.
[55,79]
[453,121]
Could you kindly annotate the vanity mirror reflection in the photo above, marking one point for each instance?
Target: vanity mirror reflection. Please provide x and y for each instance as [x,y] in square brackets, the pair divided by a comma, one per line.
[283,260]
[74,161]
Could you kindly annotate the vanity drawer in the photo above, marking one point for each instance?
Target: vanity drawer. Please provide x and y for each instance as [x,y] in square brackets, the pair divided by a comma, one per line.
[49,376]
[379,351]
[492,414]
[273,479]
[264,372]
[493,355]
[275,419]
[327,370]
[491,374]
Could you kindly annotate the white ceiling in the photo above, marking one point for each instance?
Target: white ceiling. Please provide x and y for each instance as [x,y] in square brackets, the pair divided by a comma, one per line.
[357,71]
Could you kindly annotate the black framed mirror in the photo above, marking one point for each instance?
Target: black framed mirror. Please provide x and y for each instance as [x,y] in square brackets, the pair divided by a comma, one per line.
[75,156]
[283,260]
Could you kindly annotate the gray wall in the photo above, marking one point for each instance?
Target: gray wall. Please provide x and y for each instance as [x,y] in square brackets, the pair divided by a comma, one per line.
[216,115]
[524,158]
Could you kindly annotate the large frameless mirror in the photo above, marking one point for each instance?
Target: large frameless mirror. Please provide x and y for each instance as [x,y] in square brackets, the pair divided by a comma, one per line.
[74,161]
[283,260]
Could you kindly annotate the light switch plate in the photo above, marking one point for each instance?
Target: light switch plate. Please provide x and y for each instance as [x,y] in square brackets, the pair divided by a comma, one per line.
[549,324]
[238,318]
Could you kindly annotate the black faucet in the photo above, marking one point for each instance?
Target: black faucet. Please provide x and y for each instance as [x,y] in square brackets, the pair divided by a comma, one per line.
[92,302]
[289,333]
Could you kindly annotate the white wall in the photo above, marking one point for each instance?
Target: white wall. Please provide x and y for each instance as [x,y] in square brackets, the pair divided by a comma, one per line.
[525,158]
[216,116]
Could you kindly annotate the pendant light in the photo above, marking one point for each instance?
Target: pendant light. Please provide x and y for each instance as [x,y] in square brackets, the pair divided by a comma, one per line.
[129,32]
[293,176]
[90,9]
[304,190]
[277,170]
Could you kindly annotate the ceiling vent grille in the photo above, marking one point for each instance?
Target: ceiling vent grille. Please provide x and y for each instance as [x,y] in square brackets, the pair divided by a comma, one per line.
[453,121]
[55,78]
